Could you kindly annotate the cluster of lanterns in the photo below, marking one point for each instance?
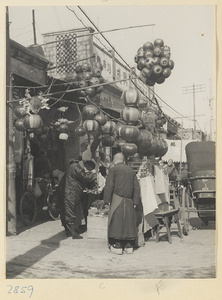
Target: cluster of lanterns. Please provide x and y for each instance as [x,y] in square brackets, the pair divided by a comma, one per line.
[154,63]
[132,139]
[95,122]
[87,78]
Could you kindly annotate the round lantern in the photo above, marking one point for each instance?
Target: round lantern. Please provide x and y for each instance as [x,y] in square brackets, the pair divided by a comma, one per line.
[109,127]
[101,119]
[63,128]
[96,72]
[90,126]
[130,114]
[154,147]
[142,104]
[86,67]
[19,125]
[171,64]
[158,43]
[144,142]
[82,83]
[163,148]
[129,133]
[19,111]
[32,121]
[90,111]
[87,75]
[166,72]
[108,140]
[94,81]
[129,149]
[99,89]
[148,46]
[130,97]
[90,91]
[78,69]
[80,131]
[118,130]
[63,136]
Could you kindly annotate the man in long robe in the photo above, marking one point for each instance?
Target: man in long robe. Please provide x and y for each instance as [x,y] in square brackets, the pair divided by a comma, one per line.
[70,190]
[122,191]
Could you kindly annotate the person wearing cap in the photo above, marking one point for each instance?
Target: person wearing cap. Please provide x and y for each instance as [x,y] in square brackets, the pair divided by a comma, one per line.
[77,177]
[122,191]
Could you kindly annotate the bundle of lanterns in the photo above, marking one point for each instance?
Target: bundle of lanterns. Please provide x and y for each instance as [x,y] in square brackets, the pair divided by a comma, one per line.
[154,62]
[27,118]
[133,140]
[87,78]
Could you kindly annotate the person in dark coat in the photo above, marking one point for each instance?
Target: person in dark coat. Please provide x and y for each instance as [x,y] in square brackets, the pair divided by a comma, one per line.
[78,177]
[171,170]
[122,191]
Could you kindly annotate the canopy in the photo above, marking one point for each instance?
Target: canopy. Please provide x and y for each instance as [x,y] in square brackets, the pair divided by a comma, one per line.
[174,150]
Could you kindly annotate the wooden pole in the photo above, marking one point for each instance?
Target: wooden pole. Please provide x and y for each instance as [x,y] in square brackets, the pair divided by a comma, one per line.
[11,219]
[33,24]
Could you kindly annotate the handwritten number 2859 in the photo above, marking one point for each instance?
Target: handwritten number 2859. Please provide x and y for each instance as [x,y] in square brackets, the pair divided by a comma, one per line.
[22,290]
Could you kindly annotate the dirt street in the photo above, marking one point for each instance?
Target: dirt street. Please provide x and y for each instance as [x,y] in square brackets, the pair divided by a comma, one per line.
[43,251]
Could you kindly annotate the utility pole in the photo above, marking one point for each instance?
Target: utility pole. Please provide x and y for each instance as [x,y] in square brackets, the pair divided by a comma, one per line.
[11,219]
[193,89]
[211,105]
[33,24]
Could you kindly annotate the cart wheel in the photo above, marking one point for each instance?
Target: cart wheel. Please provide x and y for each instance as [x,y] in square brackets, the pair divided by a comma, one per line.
[28,208]
[185,229]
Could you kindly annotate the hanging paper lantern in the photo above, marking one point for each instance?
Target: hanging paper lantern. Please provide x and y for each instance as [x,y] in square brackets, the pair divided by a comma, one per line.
[19,111]
[80,131]
[90,126]
[63,128]
[129,133]
[63,136]
[86,67]
[32,121]
[148,46]
[163,148]
[94,81]
[101,119]
[90,111]
[143,103]
[108,140]
[78,69]
[19,125]
[158,43]
[82,83]
[118,129]
[90,91]
[130,114]
[109,127]
[87,75]
[154,147]
[144,142]
[96,72]
[130,97]
[129,149]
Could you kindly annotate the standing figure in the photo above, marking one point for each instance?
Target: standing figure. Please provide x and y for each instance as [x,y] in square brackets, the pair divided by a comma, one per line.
[171,170]
[70,190]
[122,191]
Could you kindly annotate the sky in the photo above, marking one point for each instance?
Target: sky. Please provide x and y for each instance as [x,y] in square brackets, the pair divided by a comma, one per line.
[189,30]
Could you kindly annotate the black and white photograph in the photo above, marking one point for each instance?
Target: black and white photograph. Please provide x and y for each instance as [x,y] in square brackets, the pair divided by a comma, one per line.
[110,146]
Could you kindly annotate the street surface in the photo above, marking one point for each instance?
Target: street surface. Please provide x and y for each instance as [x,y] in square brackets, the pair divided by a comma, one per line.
[45,252]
